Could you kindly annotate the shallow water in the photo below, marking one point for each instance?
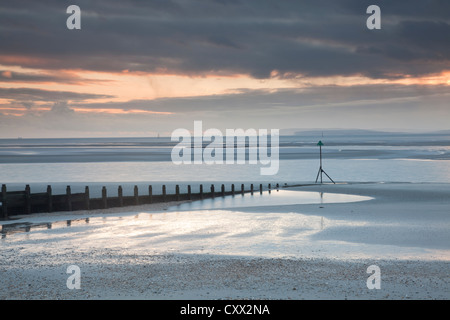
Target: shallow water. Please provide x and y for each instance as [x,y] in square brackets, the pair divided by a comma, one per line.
[340,170]
[266,198]
[273,198]
[223,226]
[347,157]
[215,232]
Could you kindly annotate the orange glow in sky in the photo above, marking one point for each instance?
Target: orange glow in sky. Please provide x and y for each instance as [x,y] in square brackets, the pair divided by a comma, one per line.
[126,86]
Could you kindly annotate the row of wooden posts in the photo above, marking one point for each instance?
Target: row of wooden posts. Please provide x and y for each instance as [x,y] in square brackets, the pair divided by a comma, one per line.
[25,202]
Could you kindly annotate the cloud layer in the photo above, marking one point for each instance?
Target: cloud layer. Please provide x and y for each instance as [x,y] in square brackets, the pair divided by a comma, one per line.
[305,64]
[311,38]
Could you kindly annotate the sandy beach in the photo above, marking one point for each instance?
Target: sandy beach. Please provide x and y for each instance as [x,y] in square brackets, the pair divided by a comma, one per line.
[318,250]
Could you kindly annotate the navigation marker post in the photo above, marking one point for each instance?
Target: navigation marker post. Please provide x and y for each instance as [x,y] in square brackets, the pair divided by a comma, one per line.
[320,144]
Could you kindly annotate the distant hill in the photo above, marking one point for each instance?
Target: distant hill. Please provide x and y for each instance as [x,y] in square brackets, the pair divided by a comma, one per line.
[352,132]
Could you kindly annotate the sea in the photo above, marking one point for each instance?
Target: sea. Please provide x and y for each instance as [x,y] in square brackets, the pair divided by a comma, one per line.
[348,156]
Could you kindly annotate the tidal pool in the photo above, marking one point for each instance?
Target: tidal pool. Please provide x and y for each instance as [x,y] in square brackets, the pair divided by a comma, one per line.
[273,198]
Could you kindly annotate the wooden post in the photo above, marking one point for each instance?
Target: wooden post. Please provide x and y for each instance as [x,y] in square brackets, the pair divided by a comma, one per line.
[4,202]
[27,199]
[104,197]
[201,191]
[49,199]
[164,192]
[136,195]
[189,192]
[177,191]
[251,188]
[223,190]
[260,188]
[68,199]
[232,189]
[87,198]
[120,194]
[242,189]
[212,191]
[150,193]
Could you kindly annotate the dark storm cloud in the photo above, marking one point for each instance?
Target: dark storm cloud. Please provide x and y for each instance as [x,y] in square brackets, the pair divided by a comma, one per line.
[314,38]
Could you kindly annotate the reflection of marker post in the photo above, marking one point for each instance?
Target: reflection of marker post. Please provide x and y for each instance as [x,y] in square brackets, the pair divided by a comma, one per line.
[320,144]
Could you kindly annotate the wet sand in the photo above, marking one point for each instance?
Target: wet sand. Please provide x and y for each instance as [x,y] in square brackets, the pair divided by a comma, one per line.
[297,251]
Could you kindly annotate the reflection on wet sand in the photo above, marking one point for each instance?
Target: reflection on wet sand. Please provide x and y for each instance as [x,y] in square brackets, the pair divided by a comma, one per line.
[275,198]
[12,228]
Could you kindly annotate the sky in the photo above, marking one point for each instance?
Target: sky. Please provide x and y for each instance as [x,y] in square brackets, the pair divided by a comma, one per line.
[143,68]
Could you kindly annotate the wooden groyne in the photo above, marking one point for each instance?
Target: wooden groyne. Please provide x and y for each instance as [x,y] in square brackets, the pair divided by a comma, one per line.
[26,202]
